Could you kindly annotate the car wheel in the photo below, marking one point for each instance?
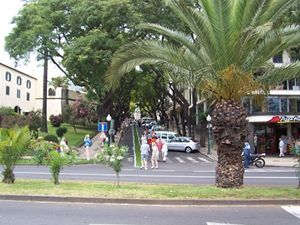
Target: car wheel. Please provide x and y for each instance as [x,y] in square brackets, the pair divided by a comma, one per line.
[188,149]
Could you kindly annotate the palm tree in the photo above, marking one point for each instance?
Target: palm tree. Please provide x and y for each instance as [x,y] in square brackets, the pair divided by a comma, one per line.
[14,143]
[226,53]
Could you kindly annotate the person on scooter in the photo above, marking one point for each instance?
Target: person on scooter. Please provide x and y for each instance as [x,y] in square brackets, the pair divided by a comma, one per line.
[247,157]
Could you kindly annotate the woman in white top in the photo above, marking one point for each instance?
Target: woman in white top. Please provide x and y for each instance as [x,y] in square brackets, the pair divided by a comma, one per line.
[154,158]
[164,150]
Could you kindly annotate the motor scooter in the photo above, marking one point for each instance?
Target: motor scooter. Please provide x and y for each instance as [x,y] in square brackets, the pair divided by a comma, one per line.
[257,160]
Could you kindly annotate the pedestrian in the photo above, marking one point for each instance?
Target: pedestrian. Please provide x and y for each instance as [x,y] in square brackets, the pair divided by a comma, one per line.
[154,156]
[281,147]
[255,144]
[144,138]
[159,145]
[64,148]
[87,144]
[164,150]
[145,149]
[102,138]
[247,156]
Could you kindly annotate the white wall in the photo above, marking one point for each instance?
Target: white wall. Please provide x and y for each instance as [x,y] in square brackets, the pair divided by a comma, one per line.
[11,100]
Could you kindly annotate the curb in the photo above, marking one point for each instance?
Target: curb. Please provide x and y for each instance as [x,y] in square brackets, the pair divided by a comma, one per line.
[200,202]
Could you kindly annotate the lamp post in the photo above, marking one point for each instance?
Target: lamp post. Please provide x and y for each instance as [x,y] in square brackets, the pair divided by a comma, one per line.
[108,118]
[208,119]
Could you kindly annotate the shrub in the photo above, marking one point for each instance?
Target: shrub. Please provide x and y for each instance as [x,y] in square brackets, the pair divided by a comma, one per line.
[14,143]
[56,161]
[56,121]
[6,111]
[61,131]
[51,138]
[34,122]
[113,156]
[10,121]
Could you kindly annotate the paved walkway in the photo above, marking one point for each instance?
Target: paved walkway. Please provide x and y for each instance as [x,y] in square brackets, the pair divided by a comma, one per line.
[287,161]
[96,147]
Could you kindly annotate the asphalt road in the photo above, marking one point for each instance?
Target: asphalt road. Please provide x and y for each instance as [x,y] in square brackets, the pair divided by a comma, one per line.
[39,213]
[180,168]
[173,175]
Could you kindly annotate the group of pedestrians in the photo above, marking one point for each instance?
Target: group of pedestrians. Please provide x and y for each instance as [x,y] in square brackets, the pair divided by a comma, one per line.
[154,146]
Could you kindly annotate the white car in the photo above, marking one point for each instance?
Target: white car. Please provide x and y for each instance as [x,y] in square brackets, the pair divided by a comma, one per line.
[183,144]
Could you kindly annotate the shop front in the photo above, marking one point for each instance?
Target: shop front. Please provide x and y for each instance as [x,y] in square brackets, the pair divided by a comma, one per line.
[268,130]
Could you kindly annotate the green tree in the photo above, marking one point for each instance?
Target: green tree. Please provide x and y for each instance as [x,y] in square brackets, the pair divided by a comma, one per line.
[113,156]
[226,52]
[14,143]
[29,36]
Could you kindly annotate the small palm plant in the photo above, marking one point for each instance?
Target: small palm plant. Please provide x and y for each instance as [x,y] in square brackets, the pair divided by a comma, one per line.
[113,156]
[56,162]
[14,143]
[46,152]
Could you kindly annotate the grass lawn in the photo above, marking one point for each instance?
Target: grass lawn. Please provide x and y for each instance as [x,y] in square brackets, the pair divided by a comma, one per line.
[144,191]
[137,147]
[74,138]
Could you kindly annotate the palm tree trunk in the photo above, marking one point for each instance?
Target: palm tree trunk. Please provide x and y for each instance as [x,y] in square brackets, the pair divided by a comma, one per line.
[229,129]
[44,127]
[8,176]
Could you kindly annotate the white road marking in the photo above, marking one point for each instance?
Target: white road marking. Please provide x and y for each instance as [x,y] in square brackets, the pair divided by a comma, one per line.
[211,223]
[154,175]
[292,209]
[130,159]
[203,160]
[179,160]
[192,160]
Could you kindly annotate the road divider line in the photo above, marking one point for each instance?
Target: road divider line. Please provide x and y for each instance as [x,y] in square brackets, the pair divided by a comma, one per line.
[192,160]
[179,160]
[203,160]
[294,210]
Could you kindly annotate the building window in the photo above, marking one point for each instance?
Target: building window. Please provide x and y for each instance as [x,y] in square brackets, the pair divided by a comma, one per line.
[19,80]
[18,93]
[7,90]
[28,96]
[273,104]
[278,58]
[28,84]
[8,76]
[51,92]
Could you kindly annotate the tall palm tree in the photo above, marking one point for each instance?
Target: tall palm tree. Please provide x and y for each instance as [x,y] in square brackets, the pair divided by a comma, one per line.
[227,53]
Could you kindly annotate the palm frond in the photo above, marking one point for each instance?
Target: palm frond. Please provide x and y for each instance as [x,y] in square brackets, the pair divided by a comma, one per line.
[277,75]
[148,52]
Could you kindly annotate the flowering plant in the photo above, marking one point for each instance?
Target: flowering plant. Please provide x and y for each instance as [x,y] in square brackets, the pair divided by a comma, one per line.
[113,156]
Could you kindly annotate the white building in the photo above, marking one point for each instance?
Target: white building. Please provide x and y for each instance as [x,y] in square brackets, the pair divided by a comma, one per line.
[24,93]
[17,89]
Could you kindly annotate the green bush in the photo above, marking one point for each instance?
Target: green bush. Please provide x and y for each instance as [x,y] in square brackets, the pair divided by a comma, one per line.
[10,121]
[56,121]
[6,111]
[60,132]
[51,138]
[14,143]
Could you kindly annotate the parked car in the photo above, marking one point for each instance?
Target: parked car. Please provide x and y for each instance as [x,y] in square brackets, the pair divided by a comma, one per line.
[183,144]
[166,135]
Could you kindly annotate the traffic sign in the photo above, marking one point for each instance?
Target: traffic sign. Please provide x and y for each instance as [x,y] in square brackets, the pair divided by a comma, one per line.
[102,126]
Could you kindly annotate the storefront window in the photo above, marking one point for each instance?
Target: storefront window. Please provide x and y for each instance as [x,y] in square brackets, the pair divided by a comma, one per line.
[247,105]
[284,105]
[294,105]
[273,104]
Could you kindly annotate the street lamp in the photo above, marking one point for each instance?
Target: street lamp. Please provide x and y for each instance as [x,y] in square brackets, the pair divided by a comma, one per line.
[208,119]
[108,118]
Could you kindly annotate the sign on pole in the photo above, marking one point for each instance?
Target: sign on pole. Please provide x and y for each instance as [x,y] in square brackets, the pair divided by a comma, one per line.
[102,126]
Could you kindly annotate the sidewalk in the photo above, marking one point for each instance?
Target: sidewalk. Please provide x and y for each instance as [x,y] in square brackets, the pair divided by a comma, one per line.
[287,161]
[96,147]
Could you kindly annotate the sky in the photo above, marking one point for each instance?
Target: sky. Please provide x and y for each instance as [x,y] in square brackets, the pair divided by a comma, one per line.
[9,9]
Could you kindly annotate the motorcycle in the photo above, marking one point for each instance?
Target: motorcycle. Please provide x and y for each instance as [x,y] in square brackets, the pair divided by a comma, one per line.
[257,160]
